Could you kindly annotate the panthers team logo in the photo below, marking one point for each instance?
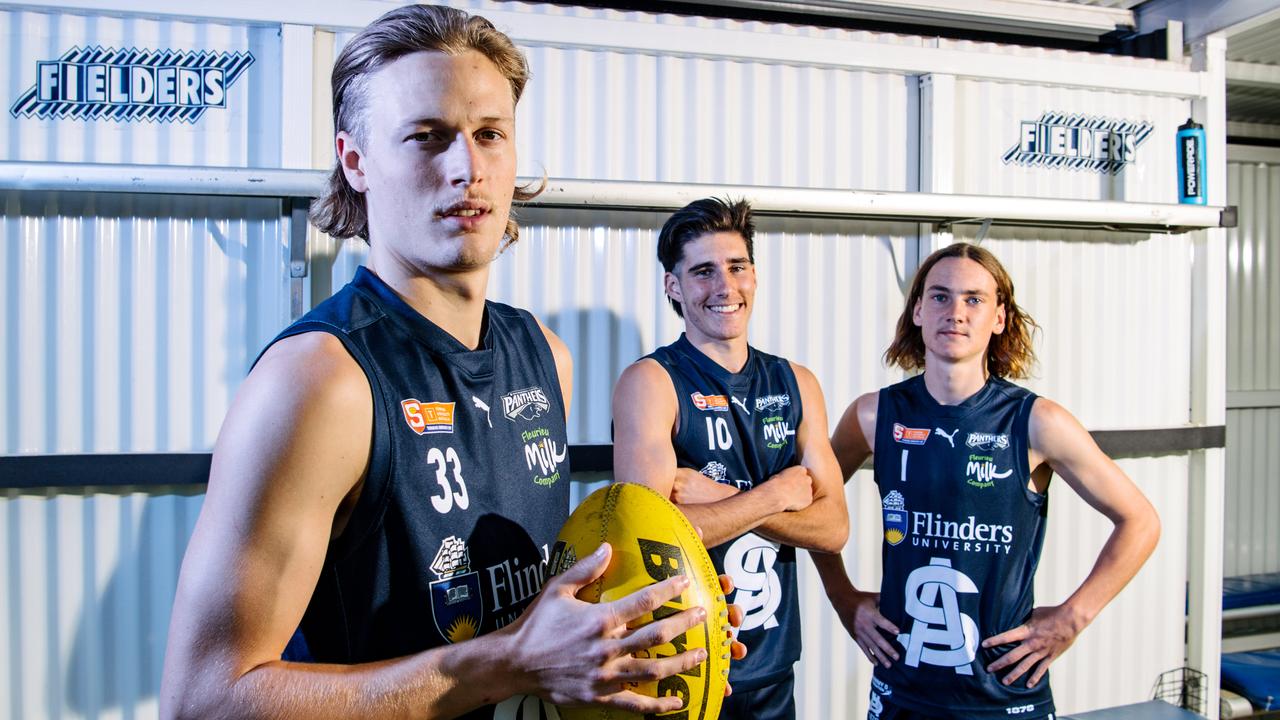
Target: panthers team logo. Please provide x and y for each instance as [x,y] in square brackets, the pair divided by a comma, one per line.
[456,604]
[987,441]
[895,517]
[529,403]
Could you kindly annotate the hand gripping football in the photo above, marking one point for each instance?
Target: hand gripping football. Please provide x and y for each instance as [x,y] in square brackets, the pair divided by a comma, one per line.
[652,540]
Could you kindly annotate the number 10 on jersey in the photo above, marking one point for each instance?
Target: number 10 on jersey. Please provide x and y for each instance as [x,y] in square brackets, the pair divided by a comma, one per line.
[718,437]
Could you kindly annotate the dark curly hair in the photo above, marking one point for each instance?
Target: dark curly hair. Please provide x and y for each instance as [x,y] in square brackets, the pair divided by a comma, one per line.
[698,218]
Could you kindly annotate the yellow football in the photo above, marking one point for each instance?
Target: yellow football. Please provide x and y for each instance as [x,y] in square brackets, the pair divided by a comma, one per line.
[652,540]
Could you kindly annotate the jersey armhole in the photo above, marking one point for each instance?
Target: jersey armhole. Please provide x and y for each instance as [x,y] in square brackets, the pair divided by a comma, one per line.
[547,359]
[876,440]
[367,515]
[1022,432]
[680,427]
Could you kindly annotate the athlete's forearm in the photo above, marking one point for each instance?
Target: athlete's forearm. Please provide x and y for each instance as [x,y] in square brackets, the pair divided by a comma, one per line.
[726,519]
[822,527]
[442,682]
[1131,542]
[831,570]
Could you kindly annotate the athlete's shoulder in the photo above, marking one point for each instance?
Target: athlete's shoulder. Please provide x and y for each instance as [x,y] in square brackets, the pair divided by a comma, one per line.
[505,311]
[311,373]
[644,390]
[1010,389]
[908,386]
[771,360]
[348,310]
[664,355]
[647,374]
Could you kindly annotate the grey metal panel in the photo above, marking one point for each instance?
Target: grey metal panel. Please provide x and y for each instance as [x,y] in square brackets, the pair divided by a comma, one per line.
[1253,364]
[1253,496]
[131,319]
[89,584]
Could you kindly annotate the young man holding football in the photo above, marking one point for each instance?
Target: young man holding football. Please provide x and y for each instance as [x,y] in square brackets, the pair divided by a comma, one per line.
[963,459]
[367,488]
[737,438]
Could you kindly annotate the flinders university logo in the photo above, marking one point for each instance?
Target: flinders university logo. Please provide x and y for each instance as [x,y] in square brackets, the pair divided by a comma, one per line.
[1078,142]
[456,605]
[126,84]
[895,518]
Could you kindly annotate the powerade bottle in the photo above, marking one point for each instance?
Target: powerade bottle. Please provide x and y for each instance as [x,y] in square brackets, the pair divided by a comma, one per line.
[1191,164]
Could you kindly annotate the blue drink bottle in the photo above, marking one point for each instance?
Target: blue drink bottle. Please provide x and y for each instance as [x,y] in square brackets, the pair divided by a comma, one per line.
[1191,164]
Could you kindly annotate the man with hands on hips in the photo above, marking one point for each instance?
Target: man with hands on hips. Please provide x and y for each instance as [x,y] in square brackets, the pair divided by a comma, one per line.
[962,460]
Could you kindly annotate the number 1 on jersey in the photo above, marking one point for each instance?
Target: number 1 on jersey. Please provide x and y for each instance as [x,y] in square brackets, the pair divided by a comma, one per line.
[718,437]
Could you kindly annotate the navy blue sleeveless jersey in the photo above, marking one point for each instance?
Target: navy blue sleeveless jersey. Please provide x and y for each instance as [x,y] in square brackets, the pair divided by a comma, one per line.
[467,487]
[962,538]
[739,429]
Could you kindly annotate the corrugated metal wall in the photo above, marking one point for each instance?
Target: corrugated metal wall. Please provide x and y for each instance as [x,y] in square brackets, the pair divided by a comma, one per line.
[1253,365]
[129,321]
[142,314]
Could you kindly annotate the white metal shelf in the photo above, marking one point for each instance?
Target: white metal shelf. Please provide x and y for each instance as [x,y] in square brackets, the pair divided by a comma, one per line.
[938,208]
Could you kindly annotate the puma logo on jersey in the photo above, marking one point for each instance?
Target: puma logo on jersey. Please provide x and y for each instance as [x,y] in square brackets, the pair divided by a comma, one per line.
[483,406]
[740,404]
[950,437]
[427,418]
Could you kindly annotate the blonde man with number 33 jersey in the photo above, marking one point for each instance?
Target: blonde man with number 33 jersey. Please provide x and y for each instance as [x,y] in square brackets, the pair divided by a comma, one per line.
[388,480]
[963,459]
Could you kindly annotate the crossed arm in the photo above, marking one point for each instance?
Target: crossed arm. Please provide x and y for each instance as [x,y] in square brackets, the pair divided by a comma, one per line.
[286,471]
[802,506]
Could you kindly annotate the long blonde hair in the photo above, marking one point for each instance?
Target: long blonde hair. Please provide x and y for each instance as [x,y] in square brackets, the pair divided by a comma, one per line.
[341,211]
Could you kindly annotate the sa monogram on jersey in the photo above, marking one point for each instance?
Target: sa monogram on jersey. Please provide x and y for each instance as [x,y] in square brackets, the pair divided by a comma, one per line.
[428,418]
[940,634]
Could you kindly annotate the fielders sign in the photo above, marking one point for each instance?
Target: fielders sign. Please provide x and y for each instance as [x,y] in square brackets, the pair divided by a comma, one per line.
[129,84]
